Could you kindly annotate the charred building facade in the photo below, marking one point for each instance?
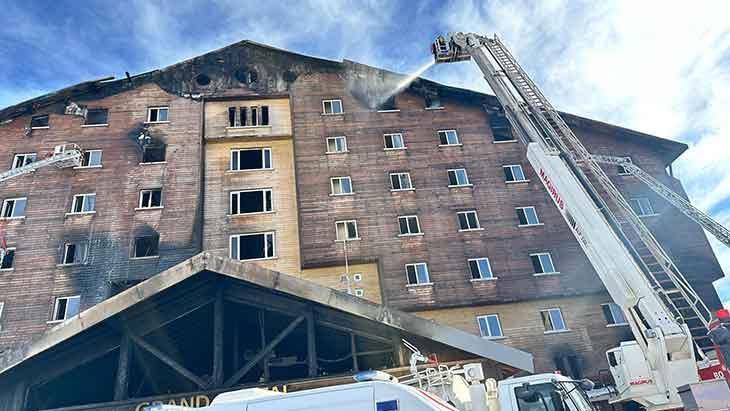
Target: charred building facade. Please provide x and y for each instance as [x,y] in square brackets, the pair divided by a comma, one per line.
[422,201]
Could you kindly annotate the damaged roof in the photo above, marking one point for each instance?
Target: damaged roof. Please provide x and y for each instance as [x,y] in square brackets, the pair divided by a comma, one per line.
[254,274]
[268,70]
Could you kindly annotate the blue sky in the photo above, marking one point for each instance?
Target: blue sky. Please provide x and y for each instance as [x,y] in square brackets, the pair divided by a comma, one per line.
[660,69]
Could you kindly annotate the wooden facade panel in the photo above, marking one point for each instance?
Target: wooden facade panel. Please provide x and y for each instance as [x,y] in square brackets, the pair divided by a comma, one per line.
[332,277]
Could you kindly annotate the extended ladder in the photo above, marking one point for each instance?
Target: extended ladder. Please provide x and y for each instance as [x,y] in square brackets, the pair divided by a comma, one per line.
[63,156]
[663,275]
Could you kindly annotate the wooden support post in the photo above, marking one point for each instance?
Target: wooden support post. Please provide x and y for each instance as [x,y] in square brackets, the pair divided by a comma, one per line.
[311,344]
[169,361]
[353,349]
[121,386]
[398,354]
[262,332]
[236,342]
[264,352]
[218,339]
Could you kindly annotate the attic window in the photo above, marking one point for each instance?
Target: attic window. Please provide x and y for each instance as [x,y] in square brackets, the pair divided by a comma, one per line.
[202,79]
[153,154]
[433,101]
[96,117]
[39,121]
[248,116]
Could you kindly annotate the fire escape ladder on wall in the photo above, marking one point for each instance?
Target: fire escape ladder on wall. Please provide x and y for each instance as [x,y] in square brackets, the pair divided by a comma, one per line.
[663,275]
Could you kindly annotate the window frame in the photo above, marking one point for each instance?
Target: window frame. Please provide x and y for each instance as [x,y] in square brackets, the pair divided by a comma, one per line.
[66,317]
[48,122]
[408,225]
[263,150]
[550,256]
[80,252]
[266,245]
[158,121]
[83,157]
[466,213]
[250,190]
[162,147]
[552,329]
[415,267]
[642,206]
[24,155]
[358,292]
[141,206]
[456,177]
[335,138]
[481,275]
[14,200]
[83,204]
[86,118]
[330,101]
[332,186]
[489,335]
[399,174]
[143,257]
[12,264]
[347,229]
[446,133]
[526,217]
[613,322]
[385,142]
[511,170]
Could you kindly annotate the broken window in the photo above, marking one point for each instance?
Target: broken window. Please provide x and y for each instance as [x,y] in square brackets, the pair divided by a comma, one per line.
[73,253]
[8,258]
[417,273]
[39,121]
[91,158]
[346,230]
[252,246]
[552,320]
[336,144]
[202,79]
[20,160]
[622,171]
[388,104]
[394,141]
[66,307]
[96,117]
[251,159]
[433,101]
[251,201]
[400,181]
[248,116]
[147,246]
[151,198]
[157,114]
[83,203]
[408,225]
[543,263]
[642,206]
[154,153]
[468,220]
[254,116]
[264,115]
[13,207]
[458,177]
[332,106]
[480,268]
[501,128]
[527,216]
[341,186]
[489,326]
[613,314]
[448,138]
[514,174]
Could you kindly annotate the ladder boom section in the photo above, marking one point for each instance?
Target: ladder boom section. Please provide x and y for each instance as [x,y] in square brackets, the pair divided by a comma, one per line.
[63,156]
[708,223]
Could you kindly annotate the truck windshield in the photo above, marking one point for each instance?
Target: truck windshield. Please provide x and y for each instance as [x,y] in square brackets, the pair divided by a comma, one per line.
[562,396]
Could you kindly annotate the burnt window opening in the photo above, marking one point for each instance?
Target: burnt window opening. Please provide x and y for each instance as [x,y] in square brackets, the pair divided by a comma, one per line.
[147,246]
[433,101]
[248,116]
[154,153]
[252,76]
[97,117]
[388,104]
[501,128]
[73,253]
[8,258]
[202,79]
[39,121]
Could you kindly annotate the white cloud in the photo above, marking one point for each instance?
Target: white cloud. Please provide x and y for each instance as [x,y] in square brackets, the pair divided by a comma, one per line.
[657,69]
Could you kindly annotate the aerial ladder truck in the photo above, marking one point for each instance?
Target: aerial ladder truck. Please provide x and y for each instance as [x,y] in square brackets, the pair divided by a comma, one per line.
[659,304]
